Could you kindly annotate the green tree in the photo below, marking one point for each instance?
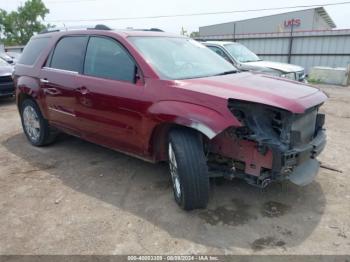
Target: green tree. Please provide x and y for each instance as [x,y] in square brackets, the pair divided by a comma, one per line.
[194,34]
[17,27]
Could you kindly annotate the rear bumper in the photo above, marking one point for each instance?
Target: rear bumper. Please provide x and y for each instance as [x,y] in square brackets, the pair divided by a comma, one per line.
[7,89]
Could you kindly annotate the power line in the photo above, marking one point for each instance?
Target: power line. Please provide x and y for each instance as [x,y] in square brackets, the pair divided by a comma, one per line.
[69,1]
[193,14]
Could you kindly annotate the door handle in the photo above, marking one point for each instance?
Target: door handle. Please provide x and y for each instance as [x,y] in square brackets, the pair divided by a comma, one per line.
[44,81]
[51,91]
[83,90]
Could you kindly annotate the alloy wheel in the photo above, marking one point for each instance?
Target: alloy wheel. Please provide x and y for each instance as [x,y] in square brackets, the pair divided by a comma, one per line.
[31,123]
[174,172]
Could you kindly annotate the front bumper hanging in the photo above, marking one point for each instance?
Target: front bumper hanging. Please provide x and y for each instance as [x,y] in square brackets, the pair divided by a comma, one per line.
[305,165]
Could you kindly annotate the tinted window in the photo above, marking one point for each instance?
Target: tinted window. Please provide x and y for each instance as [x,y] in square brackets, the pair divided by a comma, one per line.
[69,53]
[107,59]
[32,50]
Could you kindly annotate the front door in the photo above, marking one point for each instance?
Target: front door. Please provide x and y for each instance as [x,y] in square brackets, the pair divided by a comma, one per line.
[110,99]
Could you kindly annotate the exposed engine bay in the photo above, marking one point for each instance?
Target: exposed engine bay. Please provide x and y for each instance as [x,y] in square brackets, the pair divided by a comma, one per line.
[271,145]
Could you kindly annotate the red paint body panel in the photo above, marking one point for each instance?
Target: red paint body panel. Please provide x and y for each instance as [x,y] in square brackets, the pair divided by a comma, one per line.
[124,116]
[263,89]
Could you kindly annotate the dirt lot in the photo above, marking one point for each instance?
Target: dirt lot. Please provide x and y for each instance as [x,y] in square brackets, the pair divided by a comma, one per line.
[75,197]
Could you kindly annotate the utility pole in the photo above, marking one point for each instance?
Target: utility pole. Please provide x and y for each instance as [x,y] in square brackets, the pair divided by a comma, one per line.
[291,42]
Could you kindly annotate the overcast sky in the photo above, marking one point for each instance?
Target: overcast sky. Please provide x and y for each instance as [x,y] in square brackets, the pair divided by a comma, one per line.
[95,9]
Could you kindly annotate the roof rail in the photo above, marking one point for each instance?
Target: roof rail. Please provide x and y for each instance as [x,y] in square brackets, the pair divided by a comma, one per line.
[101,27]
[45,31]
[96,27]
[153,29]
[143,29]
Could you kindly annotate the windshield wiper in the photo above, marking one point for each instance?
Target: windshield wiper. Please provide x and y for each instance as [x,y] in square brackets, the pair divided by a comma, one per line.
[227,72]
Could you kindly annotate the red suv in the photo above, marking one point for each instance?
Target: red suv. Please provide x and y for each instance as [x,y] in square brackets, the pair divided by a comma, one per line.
[162,97]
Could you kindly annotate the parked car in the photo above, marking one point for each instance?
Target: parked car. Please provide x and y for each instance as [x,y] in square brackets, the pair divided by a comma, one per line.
[245,60]
[6,83]
[14,55]
[6,57]
[162,97]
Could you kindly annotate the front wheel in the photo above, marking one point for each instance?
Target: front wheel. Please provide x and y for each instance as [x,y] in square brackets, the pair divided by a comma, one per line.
[188,169]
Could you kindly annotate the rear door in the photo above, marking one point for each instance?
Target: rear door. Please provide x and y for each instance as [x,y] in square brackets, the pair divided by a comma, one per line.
[110,96]
[59,81]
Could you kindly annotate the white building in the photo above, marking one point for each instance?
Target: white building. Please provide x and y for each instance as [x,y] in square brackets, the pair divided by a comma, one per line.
[309,19]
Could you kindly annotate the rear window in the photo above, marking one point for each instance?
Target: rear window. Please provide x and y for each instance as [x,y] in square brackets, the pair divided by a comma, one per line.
[69,53]
[32,50]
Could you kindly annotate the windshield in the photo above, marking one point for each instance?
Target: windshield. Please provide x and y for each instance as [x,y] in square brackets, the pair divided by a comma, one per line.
[181,58]
[241,53]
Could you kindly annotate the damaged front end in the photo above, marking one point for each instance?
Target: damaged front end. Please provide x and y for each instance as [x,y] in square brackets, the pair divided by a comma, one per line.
[271,145]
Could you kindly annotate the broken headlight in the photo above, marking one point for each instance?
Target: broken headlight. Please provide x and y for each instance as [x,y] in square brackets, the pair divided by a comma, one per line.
[261,123]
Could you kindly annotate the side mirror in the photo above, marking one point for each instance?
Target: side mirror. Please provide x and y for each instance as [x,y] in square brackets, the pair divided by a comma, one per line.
[138,79]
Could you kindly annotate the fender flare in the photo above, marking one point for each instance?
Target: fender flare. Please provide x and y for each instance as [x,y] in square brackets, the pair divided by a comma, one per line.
[206,120]
[30,87]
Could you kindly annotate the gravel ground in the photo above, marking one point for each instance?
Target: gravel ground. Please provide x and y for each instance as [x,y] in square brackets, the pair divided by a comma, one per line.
[75,197]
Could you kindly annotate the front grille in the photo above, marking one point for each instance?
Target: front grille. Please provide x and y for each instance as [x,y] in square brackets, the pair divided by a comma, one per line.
[280,127]
[303,127]
[5,79]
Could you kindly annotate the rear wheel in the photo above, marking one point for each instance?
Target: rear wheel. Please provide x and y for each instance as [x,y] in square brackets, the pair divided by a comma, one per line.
[188,169]
[35,127]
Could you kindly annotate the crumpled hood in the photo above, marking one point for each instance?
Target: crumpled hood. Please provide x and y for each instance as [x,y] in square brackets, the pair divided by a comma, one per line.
[264,89]
[286,68]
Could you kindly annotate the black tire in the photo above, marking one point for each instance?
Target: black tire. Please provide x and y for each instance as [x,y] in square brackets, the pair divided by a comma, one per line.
[192,169]
[46,134]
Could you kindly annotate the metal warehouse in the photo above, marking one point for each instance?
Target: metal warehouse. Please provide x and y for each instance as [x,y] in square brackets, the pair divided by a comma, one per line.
[309,19]
[305,38]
